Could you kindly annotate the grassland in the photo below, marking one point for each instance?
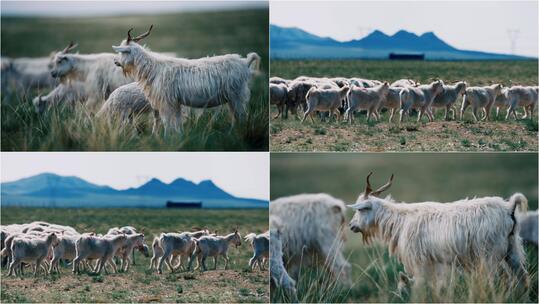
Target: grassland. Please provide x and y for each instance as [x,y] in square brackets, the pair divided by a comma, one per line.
[190,35]
[466,135]
[237,284]
[418,177]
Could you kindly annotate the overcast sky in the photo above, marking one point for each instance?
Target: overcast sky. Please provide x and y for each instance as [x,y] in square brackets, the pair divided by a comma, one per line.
[241,174]
[470,25]
[101,8]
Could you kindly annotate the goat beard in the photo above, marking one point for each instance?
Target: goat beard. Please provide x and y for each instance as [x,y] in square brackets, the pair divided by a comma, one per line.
[368,236]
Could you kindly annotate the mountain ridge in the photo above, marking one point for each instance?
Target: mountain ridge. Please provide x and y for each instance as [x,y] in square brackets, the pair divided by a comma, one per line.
[296,43]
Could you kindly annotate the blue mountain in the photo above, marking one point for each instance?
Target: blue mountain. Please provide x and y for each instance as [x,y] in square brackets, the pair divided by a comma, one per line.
[51,190]
[295,43]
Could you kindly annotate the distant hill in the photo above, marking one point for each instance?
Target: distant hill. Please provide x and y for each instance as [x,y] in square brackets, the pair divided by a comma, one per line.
[51,190]
[295,43]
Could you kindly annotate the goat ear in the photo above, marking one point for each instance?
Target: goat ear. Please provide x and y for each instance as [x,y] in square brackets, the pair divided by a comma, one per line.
[121,49]
[360,206]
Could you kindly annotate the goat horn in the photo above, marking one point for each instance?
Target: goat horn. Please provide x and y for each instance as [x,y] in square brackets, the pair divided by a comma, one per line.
[144,35]
[368,188]
[129,38]
[69,47]
[384,187]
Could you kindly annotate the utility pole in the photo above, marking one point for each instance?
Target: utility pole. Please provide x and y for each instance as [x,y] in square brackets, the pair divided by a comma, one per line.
[513,37]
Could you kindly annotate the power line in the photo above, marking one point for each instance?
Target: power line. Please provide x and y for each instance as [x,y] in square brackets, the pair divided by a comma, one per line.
[513,37]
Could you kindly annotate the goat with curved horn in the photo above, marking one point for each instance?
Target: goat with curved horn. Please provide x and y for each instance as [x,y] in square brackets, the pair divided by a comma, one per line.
[139,37]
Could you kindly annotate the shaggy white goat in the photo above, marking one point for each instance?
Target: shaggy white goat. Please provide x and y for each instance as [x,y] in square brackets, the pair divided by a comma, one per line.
[480,97]
[278,274]
[169,83]
[312,232]
[429,238]
[126,103]
[215,246]
[529,228]
[369,99]
[96,71]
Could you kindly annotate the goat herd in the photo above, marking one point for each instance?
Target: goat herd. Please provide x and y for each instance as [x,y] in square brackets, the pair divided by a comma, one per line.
[43,244]
[345,96]
[428,238]
[134,81]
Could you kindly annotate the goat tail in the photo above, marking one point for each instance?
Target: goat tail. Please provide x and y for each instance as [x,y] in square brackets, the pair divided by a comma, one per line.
[403,95]
[253,62]
[518,199]
[250,237]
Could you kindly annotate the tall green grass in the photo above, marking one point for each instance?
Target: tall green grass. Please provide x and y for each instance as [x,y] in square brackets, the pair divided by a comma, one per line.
[190,35]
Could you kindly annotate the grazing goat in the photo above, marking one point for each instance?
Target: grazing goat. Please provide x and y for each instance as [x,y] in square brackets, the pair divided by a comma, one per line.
[102,249]
[428,238]
[420,98]
[127,102]
[169,83]
[19,75]
[448,97]
[278,274]
[260,245]
[215,246]
[519,96]
[66,94]
[278,97]
[33,250]
[96,71]
[480,97]
[312,232]
[366,99]
[529,228]
[327,100]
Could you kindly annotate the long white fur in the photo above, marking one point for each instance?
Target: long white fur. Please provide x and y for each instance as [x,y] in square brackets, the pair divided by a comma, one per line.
[480,98]
[312,232]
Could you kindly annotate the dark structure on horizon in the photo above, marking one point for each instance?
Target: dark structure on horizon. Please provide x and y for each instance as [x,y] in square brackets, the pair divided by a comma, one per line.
[406,56]
[186,204]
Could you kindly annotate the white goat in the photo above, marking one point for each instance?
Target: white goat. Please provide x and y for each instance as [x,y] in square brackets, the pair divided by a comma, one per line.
[102,249]
[127,102]
[175,244]
[215,246]
[391,101]
[369,99]
[480,97]
[448,97]
[420,98]
[66,249]
[529,228]
[279,275]
[312,232]
[96,71]
[429,238]
[169,83]
[260,245]
[325,100]
[278,97]
[33,250]
[66,94]
[525,97]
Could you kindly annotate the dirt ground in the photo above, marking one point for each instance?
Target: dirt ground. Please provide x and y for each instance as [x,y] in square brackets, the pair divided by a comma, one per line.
[448,136]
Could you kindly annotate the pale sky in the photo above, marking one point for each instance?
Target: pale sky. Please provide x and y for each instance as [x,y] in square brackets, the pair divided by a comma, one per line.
[122,7]
[469,25]
[241,174]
